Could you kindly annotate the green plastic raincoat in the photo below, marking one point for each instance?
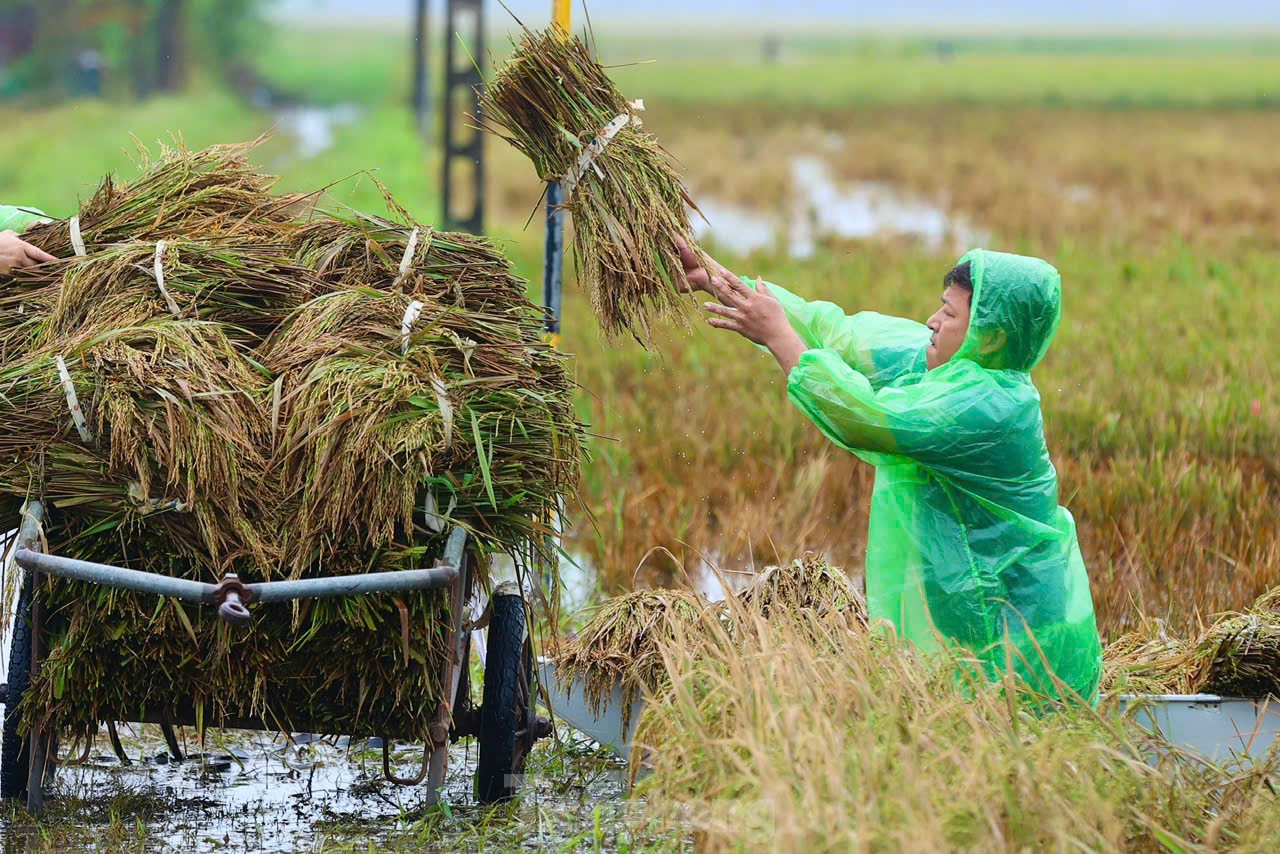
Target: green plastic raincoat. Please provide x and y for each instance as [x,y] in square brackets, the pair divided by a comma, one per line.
[966,538]
[19,219]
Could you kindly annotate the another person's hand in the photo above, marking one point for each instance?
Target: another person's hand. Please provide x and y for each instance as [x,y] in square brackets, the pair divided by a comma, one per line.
[755,314]
[16,253]
[696,276]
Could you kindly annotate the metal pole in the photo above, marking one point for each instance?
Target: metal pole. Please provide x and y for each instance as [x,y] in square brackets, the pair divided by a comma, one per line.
[421,71]
[553,262]
[463,148]
[352,585]
[552,301]
[114,576]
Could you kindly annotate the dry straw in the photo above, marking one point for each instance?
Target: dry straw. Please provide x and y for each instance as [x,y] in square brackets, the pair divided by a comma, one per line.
[556,104]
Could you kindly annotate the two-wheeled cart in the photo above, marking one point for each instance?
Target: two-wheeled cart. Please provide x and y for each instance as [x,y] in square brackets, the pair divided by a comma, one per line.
[504,724]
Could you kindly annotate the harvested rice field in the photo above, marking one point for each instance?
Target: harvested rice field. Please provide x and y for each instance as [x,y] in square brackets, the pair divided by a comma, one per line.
[713,540]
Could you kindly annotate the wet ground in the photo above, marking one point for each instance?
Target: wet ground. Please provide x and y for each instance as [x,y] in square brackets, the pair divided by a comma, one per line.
[254,791]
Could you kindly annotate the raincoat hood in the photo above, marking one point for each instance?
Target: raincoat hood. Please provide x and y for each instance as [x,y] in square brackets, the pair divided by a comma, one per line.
[1015,309]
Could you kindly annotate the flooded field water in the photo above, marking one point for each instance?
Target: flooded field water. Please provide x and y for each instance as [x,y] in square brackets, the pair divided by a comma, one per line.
[255,791]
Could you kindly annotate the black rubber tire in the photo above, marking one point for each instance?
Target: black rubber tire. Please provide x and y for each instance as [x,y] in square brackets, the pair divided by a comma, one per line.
[14,760]
[505,706]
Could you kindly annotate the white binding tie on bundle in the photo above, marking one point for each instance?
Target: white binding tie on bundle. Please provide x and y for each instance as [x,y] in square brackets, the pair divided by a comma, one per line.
[587,159]
[146,506]
[73,403]
[407,261]
[411,315]
[406,324]
[434,519]
[168,298]
[77,242]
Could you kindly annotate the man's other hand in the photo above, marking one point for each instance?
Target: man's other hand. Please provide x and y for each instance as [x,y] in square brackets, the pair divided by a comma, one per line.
[696,276]
[757,315]
[16,253]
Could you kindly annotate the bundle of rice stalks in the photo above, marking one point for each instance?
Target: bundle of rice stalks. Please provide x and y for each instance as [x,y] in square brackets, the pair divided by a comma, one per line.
[247,288]
[1239,655]
[401,412]
[205,194]
[621,645]
[359,250]
[169,418]
[555,104]
[808,583]
[1147,660]
[25,299]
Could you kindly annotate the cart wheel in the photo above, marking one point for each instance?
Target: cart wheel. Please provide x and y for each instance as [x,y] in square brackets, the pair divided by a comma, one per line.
[14,758]
[506,729]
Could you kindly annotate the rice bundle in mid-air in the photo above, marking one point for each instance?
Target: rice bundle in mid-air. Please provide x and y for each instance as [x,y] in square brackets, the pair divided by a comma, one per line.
[555,104]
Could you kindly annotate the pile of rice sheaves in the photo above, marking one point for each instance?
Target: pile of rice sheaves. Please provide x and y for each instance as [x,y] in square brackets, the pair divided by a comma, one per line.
[307,395]
[621,644]
[557,105]
[1238,655]
[807,583]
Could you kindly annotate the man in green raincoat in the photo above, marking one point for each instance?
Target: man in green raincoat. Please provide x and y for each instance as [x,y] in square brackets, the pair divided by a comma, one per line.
[967,540]
[14,251]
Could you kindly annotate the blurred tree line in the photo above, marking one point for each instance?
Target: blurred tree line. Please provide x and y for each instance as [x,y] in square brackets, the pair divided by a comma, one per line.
[121,47]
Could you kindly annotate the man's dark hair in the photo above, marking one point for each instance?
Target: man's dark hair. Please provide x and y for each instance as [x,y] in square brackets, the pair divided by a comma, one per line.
[959,276]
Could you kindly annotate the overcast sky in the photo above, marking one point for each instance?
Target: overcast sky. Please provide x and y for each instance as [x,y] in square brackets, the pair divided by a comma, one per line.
[935,13]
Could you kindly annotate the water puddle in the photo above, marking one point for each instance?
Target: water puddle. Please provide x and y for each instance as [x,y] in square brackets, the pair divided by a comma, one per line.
[1078,193]
[819,208]
[315,128]
[255,791]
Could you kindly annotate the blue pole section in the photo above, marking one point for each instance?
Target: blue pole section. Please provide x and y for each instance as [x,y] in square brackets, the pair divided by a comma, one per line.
[553,261]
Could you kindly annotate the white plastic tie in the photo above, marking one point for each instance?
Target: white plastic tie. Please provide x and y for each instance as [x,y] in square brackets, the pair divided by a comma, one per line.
[406,324]
[77,242]
[147,506]
[407,261]
[434,519]
[587,159]
[168,298]
[446,408]
[73,403]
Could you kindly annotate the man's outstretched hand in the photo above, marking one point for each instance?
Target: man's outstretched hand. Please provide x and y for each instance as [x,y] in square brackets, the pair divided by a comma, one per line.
[16,253]
[755,314]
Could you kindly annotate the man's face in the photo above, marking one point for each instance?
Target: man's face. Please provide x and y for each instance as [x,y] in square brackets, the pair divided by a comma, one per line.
[949,325]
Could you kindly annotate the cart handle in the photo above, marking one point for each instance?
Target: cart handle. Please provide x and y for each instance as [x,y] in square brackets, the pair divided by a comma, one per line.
[231,595]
